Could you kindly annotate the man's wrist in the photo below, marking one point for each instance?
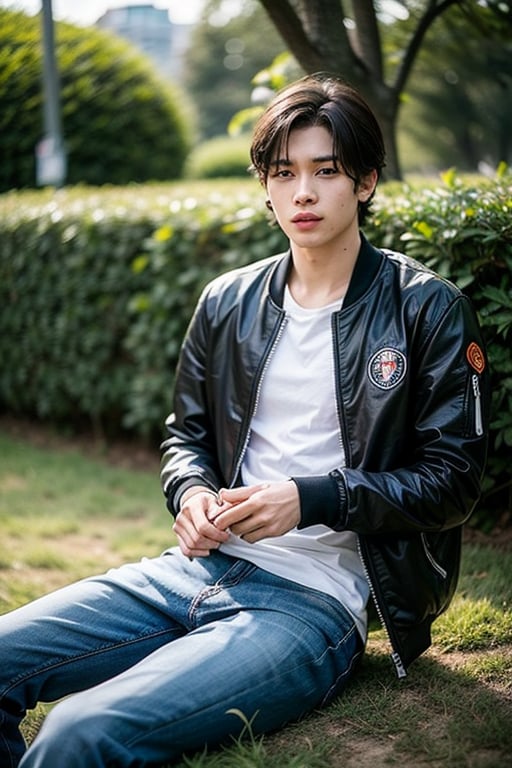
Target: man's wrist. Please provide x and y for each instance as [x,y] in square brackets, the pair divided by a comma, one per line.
[194,490]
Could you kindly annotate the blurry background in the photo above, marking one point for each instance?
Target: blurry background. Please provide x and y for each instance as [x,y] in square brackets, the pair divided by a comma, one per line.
[440,82]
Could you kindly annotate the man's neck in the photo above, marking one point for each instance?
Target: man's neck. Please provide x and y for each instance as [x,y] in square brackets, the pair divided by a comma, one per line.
[317,279]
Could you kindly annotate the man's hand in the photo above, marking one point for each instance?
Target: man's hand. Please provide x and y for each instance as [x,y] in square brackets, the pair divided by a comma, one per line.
[195,533]
[258,511]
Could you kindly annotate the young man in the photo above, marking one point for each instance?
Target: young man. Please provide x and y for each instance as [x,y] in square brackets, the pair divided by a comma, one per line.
[327,443]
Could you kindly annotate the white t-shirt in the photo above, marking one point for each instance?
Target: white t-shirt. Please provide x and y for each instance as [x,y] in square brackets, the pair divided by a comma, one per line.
[295,432]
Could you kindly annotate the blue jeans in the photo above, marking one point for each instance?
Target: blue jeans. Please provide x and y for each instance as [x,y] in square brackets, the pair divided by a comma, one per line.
[157,653]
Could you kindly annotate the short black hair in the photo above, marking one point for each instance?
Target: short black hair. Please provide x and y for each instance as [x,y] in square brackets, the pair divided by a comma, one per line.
[321,100]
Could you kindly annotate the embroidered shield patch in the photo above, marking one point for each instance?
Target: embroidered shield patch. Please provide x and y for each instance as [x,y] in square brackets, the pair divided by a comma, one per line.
[387,368]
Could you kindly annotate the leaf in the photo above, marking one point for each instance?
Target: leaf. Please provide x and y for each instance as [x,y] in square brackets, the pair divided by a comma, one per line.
[502,170]
[139,264]
[244,120]
[163,233]
[449,177]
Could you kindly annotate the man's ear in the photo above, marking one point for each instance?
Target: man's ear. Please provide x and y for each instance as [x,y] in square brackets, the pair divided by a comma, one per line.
[367,185]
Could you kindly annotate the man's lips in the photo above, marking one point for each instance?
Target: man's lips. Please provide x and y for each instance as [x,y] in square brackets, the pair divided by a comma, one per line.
[305,217]
[305,221]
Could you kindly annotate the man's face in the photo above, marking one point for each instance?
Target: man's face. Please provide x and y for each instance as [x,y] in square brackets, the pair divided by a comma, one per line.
[313,199]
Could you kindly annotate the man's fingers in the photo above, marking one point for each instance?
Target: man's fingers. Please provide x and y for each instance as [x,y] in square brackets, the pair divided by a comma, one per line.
[239,494]
[195,533]
[192,552]
[237,504]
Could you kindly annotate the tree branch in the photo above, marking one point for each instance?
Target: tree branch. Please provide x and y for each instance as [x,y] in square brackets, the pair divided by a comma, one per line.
[432,11]
[315,34]
[368,36]
[292,30]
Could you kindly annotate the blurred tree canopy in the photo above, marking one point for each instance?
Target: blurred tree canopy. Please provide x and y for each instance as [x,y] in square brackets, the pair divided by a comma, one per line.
[120,122]
[459,101]
[223,56]
[350,39]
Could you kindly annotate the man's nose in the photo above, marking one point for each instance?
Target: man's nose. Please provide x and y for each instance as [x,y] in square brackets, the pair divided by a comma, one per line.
[304,193]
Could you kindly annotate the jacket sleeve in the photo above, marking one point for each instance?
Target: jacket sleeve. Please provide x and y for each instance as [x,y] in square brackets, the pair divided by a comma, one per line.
[437,481]
[188,453]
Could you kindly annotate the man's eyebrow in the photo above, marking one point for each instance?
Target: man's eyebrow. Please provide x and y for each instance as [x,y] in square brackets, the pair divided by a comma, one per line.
[325,159]
[321,159]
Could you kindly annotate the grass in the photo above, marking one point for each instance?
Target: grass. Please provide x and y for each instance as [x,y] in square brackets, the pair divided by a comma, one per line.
[66,511]
[65,515]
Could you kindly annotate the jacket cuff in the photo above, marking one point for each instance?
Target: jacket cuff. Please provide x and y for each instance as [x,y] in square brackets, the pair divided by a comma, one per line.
[323,500]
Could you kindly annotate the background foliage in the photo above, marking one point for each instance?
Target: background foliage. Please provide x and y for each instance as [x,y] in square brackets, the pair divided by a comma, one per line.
[220,157]
[224,55]
[97,288]
[461,86]
[120,122]
[460,83]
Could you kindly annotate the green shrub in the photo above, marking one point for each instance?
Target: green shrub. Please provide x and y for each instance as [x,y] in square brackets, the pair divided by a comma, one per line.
[120,122]
[65,284]
[464,232]
[97,288]
[221,157]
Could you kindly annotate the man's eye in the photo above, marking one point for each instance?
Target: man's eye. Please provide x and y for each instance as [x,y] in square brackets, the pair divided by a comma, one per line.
[328,171]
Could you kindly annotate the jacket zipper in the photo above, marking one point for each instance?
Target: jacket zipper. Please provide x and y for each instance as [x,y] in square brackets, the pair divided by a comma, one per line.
[252,410]
[479,428]
[395,656]
[341,420]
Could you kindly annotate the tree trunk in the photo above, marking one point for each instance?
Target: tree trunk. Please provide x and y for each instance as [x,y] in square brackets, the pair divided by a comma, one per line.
[317,37]
[384,102]
[315,34]
[392,169]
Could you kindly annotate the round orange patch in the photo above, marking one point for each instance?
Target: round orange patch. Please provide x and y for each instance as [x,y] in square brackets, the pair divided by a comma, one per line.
[475,357]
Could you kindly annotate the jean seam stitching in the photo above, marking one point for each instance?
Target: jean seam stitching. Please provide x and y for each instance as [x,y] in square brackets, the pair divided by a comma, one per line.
[223,582]
[78,657]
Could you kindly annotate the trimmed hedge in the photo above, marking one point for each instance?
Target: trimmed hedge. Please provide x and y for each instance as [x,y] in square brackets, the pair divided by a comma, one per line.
[97,288]
[121,123]
[221,157]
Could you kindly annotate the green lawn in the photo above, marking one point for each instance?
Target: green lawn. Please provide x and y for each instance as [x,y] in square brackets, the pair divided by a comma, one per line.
[66,511]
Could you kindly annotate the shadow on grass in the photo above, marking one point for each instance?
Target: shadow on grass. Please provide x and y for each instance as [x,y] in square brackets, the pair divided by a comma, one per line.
[451,710]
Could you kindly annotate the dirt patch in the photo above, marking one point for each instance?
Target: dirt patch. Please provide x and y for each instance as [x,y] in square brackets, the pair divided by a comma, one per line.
[12,482]
[365,752]
[129,453]
[499,538]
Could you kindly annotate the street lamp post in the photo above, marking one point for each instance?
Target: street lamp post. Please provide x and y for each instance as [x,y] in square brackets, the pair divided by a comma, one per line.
[50,154]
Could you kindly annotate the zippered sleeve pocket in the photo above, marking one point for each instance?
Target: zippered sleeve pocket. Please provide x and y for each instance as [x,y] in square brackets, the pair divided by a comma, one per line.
[479,426]
[473,406]
[438,568]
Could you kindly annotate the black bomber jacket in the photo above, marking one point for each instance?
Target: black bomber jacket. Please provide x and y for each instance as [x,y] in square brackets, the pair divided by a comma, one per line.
[412,390]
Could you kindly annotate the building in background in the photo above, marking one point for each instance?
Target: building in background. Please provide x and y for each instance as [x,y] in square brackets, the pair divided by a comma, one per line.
[151,30]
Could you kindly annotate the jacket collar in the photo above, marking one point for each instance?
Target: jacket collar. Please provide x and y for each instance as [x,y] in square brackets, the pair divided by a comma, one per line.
[368,263]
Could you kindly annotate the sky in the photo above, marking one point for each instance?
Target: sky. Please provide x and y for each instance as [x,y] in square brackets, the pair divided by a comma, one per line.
[85,12]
